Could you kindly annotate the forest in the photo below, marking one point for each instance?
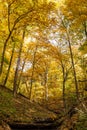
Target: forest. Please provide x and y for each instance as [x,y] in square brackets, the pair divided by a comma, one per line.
[43,57]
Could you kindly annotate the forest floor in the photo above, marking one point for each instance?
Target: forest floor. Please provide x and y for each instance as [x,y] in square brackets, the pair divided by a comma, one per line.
[22,112]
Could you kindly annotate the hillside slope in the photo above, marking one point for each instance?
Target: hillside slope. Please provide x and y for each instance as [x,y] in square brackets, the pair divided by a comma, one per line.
[20,110]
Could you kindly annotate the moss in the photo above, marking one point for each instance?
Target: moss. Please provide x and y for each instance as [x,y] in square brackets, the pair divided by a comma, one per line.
[82,122]
[6,104]
[20,109]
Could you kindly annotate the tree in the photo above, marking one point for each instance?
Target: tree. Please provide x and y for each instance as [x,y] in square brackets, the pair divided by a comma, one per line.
[76,12]
[11,26]
[15,86]
[19,13]
[65,26]
[10,63]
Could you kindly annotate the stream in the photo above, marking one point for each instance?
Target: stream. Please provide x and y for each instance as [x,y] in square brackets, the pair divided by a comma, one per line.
[35,128]
[54,125]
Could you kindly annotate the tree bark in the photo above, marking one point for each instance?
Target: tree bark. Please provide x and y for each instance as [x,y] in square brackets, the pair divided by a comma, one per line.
[73,66]
[85,29]
[22,68]
[7,75]
[32,74]
[64,80]
[10,34]
[46,86]
[4,49]
[15,85]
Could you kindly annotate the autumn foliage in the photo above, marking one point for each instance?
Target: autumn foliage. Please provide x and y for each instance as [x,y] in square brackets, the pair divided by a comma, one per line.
[43,48]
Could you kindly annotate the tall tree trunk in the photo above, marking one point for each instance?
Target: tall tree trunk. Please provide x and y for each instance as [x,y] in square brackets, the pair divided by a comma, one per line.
[32,75]
[27,87]
[4,49]
[7,75]
[15,87]
[46,86]
[73,66]
[10,33]
[22,68]
[64,80]
[85,28]
[72,60]
[31,84]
